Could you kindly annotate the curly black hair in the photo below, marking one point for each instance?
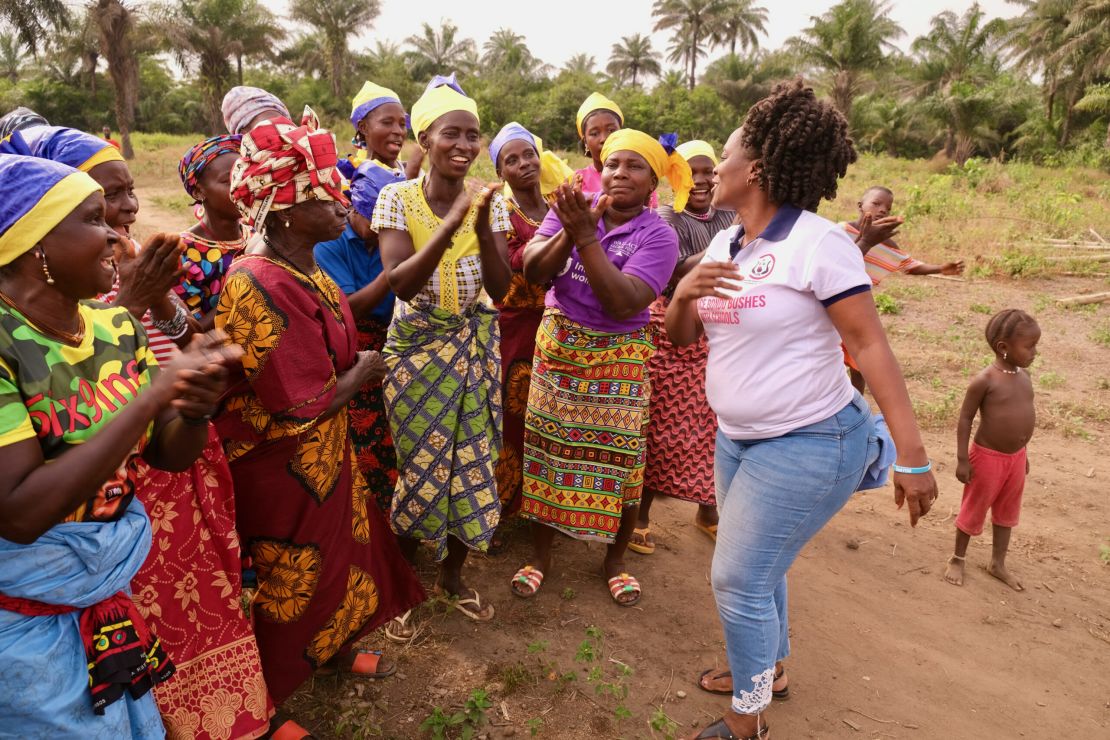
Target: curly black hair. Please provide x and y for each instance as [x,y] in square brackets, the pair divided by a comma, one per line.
[1005,324]
[802,142]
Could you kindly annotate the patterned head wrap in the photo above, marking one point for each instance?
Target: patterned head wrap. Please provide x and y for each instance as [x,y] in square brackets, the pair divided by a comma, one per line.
[596,102]
[281,165]
[553,171]
[367,183]
[66,145]
[697,148]
[242,104]
[442,96]
[20,118]
[35,196]
[202,155]
[369,98]
[664,163]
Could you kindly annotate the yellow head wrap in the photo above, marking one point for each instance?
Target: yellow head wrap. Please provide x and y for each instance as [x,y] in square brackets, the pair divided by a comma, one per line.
[596,101]
[442,96]
[670,166]
[41,194]
[697,148]
[369,98]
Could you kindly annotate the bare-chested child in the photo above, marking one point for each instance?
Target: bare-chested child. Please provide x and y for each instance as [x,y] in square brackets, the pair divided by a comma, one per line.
[993,470]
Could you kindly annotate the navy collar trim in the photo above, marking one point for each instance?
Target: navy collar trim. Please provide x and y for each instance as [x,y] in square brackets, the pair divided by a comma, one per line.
[782,223]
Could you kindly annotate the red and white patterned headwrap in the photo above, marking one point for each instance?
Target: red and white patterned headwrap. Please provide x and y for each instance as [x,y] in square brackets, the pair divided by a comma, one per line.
[281,165]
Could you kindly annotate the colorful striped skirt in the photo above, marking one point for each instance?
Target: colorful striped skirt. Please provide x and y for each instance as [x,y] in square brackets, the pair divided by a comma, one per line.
[584,430]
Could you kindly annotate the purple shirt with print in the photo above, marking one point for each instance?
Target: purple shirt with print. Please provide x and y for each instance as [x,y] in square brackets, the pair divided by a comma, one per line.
[645,247]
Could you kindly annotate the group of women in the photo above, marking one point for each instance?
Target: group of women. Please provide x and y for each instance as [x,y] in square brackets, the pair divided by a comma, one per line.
[264,416]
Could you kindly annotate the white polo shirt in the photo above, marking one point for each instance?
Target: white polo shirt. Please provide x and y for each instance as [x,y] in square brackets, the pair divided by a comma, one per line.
[775,363]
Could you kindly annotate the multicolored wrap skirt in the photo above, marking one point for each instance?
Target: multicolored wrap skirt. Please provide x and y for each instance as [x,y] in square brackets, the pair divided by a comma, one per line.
[443,397]
[584,438]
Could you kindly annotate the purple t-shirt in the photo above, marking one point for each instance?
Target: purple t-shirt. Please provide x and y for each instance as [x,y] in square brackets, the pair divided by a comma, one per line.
[645,247]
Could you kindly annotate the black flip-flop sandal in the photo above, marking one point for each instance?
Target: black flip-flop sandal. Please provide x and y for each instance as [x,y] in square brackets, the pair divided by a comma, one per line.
[784,693]
[706,672]
[721,732]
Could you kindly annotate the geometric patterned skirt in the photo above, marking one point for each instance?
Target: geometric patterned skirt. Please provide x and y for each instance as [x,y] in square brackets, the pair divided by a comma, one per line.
[584,437]
[683,429]
[370,436]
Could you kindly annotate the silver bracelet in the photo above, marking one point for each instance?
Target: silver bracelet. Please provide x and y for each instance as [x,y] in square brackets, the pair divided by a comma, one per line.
[176,327]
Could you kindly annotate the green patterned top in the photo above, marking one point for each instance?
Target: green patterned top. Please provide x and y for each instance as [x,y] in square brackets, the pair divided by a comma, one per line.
[63,395]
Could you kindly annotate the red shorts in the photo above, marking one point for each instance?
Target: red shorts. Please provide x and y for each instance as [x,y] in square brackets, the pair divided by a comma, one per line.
[997,482]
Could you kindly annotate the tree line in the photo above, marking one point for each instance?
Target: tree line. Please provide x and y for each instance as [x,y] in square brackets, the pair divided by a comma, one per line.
[1036,86]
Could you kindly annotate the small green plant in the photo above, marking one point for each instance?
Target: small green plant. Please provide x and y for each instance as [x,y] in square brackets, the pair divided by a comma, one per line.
[539,646]
[1102,334]
[886,305]
[515,676]
[568,594]
[1104,553]
[590,652]
[471,718]
[982,308]
[1050,380]
[534,726]
[663,724]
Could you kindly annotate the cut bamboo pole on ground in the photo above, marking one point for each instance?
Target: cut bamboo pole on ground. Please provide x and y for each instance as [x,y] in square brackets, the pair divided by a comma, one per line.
[1082,300]
[1081,258]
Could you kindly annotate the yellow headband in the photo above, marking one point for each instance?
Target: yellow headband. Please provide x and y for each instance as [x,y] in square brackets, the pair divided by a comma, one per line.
[107,154]
[596,101]
[697,148]
[368,98]
[50,210]
[670,166]
[437,102]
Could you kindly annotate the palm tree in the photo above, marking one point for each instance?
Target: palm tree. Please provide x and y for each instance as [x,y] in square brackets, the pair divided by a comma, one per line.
[115,24]
[958,56]
[580,64]
[257,32]
[691,22]
[1097,100]
[11,56]
[739,21]
[440,51]
[848,42]
[507,49]
[197,33]
[30,19]
[336,20]
[1034,39]
[631,56]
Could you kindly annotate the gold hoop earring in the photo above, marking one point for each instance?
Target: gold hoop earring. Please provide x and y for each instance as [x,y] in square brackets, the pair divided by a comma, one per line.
[45,269]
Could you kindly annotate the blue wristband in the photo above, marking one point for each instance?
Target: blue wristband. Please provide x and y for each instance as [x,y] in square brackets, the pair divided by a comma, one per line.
[914,471]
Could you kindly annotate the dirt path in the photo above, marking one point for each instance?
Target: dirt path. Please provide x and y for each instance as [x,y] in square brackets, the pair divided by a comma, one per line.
[882,646]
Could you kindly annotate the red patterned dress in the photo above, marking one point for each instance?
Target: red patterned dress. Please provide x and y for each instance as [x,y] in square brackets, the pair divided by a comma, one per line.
[521,313]
[682,428]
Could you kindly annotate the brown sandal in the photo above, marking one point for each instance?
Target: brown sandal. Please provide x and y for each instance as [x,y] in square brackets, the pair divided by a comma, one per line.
[721,731]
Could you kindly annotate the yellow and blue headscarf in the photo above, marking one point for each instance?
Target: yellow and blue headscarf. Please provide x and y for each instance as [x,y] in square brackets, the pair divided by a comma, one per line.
[661,156]
[697,148]
[553,170]
[68,146]
[368,98]
[596,102]
[35,196]
[442,96]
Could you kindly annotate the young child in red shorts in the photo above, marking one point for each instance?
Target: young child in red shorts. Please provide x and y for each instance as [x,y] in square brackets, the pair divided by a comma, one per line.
[993,470]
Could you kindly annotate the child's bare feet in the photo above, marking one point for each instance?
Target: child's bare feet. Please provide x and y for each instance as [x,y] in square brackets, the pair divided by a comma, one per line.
[998,570]
[954,573]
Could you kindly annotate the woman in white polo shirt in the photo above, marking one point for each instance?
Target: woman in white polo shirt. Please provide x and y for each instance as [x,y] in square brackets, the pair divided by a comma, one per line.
[774,298]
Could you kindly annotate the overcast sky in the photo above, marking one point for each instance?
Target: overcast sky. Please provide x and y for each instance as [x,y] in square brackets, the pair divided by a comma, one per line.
[558,29]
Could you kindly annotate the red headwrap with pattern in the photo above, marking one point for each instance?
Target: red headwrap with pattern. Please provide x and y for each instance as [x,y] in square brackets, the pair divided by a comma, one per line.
[281,165]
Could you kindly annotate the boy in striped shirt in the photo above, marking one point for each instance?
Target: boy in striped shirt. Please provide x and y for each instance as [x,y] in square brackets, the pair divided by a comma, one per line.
[873,232]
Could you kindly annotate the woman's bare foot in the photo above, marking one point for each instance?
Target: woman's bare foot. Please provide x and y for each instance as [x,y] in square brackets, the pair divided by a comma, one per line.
[718,681]
[954,573]
[998,570]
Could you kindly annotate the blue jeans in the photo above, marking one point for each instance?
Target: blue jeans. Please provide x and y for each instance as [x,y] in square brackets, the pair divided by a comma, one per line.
[774,495]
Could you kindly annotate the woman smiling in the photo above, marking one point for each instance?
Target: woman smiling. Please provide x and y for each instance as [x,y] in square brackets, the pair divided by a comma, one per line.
[443,247]
[607,261]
